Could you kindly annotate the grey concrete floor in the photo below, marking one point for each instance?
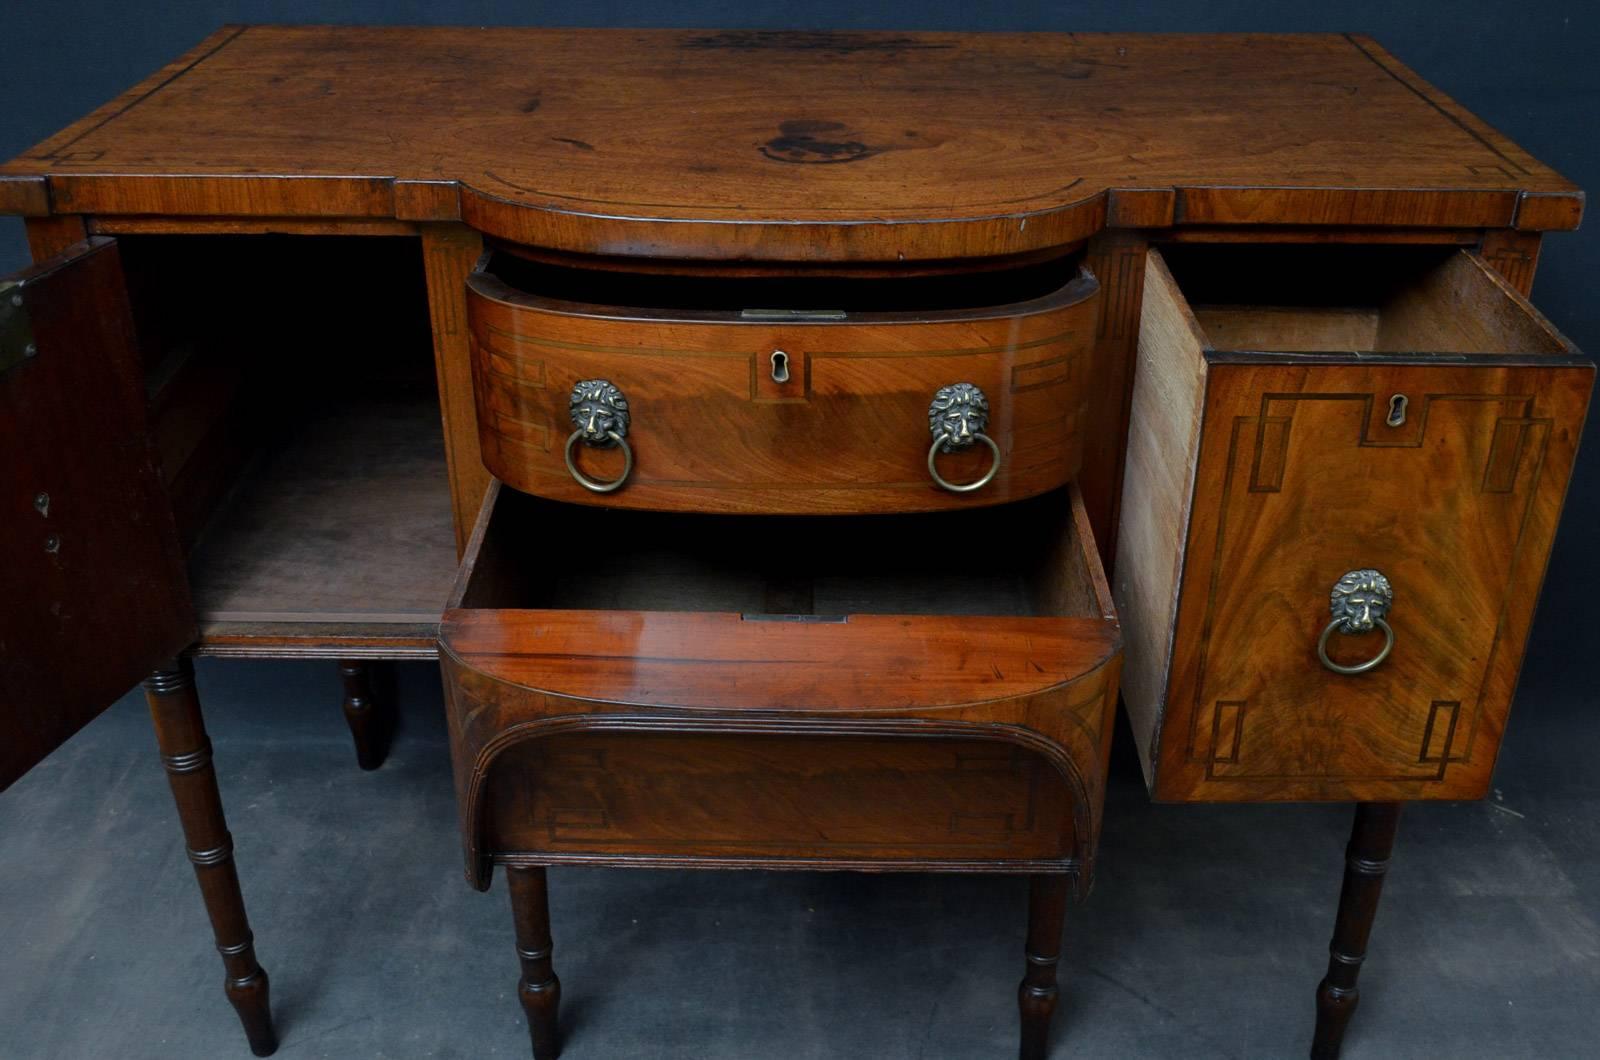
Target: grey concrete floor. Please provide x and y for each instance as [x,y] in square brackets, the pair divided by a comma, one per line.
[1205,936]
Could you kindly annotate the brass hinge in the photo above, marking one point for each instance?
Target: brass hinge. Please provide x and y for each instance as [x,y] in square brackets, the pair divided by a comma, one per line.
[16,327]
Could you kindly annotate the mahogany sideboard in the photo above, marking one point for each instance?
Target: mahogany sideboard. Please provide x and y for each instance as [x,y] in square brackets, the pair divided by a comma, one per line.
[763,414]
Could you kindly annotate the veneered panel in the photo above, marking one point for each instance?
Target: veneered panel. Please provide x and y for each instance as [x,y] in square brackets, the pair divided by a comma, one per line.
[848,431]
[1457,507]
[691,144]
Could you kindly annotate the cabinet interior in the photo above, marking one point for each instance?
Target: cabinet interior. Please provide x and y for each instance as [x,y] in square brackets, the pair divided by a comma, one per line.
[295,412]
[1355,299]
[1022,559]
[672,289]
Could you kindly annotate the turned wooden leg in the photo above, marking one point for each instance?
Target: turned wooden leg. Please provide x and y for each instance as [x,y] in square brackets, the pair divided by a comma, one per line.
[186,753]
[1037,996]
[538,986]
[1366,860]
[371,723]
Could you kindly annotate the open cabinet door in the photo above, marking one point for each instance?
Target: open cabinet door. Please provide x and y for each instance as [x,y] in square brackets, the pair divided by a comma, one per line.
[93,593]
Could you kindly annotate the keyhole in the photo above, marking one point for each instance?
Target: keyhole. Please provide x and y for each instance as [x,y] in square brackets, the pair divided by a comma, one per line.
[1397,410]
[780,366]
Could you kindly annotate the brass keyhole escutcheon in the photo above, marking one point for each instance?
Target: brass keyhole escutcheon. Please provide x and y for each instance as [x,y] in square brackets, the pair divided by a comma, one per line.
[780,367]
[1397,410]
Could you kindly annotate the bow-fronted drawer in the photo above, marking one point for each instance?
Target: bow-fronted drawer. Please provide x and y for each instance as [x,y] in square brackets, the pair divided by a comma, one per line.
[782,394]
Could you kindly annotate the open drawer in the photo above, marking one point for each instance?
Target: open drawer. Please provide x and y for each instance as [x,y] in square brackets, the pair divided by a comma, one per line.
[1303,418]
[782,394]
[906,691]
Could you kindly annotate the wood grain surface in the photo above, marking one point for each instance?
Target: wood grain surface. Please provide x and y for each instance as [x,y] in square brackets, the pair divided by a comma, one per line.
[847,431]
[91,573]
[339,534]
[790,146]
[449,253]
[1157,493]
[1300,476]
[756,718]
[799,796]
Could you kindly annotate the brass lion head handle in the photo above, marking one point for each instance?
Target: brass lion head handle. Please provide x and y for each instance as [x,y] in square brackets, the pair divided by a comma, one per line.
[957,416]
[600,418]
[1359,603]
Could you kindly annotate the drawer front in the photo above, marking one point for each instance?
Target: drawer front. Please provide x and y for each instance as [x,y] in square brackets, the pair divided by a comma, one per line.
[776,768]
[1301,478]
[840,424]
[763,796]
[906,713]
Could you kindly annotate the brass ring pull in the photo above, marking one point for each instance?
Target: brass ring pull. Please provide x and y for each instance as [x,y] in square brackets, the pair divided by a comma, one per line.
[1358,668]
[594,485]
[600,418]
[968,487]
[1359,601]
[957,416]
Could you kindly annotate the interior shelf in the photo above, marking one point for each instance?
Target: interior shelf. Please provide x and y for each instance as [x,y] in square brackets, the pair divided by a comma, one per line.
[351,505]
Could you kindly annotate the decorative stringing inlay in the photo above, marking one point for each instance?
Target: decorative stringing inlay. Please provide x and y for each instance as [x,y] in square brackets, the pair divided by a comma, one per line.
[1119,316]
[1507,462]
[1039,374]
[1227,729]
[574,822]
[1439,736]
[1511,436]
[1272,450]
[1063,363]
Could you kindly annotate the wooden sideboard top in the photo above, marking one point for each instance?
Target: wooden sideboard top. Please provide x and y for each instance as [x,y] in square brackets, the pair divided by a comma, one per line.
[790,145]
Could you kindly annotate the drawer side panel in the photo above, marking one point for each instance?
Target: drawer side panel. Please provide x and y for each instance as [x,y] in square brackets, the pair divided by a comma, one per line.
[1158,483]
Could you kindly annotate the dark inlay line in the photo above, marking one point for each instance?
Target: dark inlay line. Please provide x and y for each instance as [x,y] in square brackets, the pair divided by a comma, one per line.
[1463,126]
[815,41]
[594,201]
[134,103]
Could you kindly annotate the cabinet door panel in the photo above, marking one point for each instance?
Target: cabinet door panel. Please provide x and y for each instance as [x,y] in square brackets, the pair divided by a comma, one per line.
[92,587]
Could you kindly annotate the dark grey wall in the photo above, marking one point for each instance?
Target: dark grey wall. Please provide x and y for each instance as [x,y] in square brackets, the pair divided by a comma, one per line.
[1527,68]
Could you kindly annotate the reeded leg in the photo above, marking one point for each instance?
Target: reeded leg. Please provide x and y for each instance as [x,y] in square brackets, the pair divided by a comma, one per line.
[538,987]
[1037,996]
[1366,860]
[371,724]
[186,753]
